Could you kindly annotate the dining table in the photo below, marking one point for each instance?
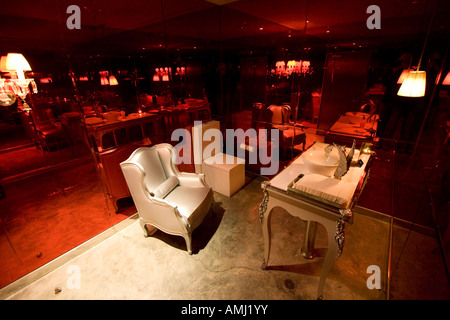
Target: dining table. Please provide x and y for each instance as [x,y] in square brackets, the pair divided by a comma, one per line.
[351,127]
[98,128]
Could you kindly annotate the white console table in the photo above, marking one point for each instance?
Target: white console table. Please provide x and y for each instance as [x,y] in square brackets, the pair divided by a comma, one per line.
[333,217]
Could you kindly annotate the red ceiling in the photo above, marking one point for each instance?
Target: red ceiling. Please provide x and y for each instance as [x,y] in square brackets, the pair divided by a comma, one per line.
[132,25]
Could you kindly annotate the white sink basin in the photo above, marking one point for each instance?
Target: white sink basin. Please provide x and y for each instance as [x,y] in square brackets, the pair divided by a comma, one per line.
[357,114]
[356,117]
[111,116]
[317,162]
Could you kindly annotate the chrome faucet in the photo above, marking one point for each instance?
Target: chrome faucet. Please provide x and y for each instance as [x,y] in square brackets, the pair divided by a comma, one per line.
[344,161]
[373,108]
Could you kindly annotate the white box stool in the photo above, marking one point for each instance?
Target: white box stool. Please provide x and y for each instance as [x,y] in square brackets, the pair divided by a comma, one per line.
[223,172]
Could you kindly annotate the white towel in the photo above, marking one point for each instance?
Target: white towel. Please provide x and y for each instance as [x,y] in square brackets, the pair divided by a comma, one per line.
[329,189]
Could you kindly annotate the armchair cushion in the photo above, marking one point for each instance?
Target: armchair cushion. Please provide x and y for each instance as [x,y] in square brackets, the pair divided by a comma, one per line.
[166,187]
[191,202]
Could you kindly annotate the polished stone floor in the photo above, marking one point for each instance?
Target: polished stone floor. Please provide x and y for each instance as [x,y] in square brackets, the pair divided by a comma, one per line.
[228,251]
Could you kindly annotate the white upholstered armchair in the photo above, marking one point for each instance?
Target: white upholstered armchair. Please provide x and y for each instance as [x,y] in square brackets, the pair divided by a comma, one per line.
[171,201]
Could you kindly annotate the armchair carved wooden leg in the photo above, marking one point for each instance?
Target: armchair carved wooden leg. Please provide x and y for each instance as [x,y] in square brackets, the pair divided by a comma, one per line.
[188,239]
[147,232]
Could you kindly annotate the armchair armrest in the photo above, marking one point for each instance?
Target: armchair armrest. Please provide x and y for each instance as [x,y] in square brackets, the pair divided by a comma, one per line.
[161,202]
[188,179]
[45,125]
[163,215]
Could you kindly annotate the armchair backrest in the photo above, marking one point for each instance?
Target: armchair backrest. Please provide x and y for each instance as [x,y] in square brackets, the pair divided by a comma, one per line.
[279,114]
[27,122]
[154,163]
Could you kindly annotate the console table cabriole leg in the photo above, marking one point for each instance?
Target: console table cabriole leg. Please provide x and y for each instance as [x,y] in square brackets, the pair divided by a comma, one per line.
[330,258]
[336,240]
[264,219]
[346,215]
[266,227]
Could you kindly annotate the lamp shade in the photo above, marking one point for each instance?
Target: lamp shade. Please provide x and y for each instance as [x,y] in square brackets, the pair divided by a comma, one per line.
[305,66]
[104,81]
[413,85]
[113,81]
[291,64]
[403,76]
[447,79]
[298,66]
[280,65]
[14,62]
[3,63]
[45,80]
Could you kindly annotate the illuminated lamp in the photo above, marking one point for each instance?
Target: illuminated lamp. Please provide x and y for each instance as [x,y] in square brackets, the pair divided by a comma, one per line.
[104,81]
[156,75]
[3,63]
[280,65]
[403,75]
[446,81]
[305,66]
[45,80]
[415,81]
[165,73]
[413,85]
[298,66]
[15,62]
[290,66]
[113,81]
